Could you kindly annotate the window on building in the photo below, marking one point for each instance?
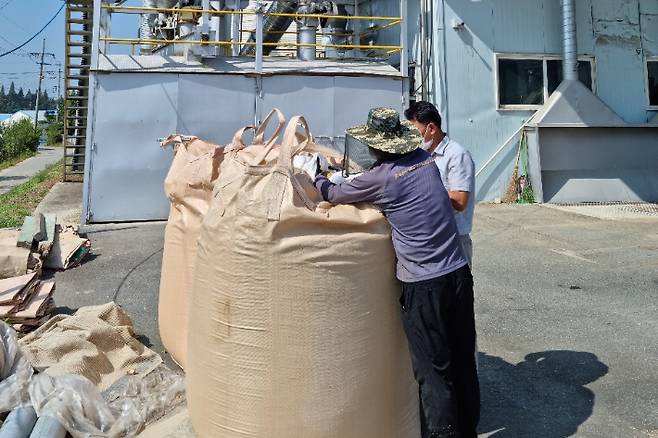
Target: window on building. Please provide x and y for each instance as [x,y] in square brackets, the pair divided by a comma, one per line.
[521,81]
[554,74]
[652,83]
[526,81]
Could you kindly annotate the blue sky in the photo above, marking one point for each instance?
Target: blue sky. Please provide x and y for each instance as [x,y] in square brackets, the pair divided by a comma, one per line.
[20,19]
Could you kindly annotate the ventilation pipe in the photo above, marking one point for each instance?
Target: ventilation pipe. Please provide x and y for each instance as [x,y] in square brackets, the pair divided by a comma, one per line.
[569,44]
[149,21]
[272,26]
[424,60]
[307,27]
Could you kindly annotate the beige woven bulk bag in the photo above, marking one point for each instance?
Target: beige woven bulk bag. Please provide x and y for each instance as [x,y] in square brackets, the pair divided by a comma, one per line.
[296,330]
[188,186]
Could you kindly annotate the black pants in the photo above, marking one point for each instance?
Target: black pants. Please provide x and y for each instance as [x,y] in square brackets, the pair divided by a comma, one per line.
[439,321]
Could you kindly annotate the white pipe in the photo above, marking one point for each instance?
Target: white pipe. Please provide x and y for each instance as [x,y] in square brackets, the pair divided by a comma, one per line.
[502,147]
[48,427]
[205,17]
[235,30]
[306,34]
[404,63]
[356,27]
[569,42]
[424,62]
[259,38]
[19,423]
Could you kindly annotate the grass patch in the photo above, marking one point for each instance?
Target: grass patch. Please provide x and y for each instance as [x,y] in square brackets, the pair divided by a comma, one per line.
[14,161]
[23,199]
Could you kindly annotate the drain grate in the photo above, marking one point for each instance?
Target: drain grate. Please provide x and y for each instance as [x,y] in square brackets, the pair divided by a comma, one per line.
[647,208]
[642,208]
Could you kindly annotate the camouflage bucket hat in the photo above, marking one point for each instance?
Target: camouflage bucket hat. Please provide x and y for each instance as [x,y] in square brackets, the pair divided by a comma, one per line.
[385,132]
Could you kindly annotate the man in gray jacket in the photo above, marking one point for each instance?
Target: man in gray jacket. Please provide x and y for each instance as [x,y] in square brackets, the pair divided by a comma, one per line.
[437,286]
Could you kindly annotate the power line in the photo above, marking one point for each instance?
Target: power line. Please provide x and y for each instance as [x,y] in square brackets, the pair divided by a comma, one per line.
[5,4]
[36,34]
[50,72]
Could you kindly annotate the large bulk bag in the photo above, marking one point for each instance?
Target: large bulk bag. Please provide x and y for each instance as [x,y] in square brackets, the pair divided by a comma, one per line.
[296,330]
[188,187]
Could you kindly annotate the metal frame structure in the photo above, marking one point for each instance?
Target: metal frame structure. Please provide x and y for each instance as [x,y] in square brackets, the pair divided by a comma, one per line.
[182,94]
[260,14]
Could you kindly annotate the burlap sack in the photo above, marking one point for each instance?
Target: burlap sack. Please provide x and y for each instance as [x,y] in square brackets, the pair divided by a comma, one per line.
[96,342]
[296,330]
[13,259]
[188,186]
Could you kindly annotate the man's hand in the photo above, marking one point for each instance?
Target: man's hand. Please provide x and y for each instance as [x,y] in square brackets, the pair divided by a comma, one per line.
[459,200]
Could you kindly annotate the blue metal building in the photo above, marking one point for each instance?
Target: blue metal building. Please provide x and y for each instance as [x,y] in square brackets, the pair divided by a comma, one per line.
[493,64]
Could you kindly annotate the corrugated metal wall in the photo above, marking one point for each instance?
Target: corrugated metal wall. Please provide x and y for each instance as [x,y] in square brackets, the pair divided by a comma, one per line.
[618,33]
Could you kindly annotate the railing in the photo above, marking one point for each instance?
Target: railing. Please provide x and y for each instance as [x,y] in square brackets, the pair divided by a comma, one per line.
[106,10]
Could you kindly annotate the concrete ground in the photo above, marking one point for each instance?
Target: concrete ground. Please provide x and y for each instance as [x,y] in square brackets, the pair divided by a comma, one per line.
[18,174]
[64,201]
[566,313]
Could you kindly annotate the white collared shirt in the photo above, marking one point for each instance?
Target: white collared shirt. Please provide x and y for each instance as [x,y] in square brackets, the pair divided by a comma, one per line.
[458,175]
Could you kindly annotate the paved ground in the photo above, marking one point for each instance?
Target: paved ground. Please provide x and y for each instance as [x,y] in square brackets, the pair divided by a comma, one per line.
[63,200]
[18,174]
[566,307]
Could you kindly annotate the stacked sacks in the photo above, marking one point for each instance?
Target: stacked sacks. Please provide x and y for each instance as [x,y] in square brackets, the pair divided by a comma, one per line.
[188,186]
[296,331]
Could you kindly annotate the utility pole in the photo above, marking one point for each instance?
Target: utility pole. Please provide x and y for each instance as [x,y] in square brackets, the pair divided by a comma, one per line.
[36,107]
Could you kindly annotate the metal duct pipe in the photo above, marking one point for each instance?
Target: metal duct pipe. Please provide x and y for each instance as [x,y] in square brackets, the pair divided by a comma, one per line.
[306,34]
[272,24]
[424,61]
[148,20]
[569,42]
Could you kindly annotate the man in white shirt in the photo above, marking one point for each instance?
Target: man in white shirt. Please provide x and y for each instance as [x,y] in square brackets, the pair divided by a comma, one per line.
[455,164]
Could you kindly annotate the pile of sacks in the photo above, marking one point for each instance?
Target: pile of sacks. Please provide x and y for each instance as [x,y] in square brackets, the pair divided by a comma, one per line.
[84,374]
[40,243]
[282,308]
[25,301]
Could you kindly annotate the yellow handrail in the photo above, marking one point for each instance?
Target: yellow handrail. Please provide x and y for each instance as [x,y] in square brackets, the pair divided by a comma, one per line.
[244,43]
[378,28]
[278,32]
[138,10]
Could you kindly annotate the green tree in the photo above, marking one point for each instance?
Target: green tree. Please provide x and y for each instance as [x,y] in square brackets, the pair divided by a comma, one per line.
[18,138]
[20,99]
[11,99]
[55,128]
[29,99]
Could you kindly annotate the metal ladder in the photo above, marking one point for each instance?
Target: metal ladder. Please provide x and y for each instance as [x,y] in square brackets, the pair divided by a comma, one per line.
[79,17]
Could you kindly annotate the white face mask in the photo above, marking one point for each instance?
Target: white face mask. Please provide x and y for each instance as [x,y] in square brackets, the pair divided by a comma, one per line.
[427,144]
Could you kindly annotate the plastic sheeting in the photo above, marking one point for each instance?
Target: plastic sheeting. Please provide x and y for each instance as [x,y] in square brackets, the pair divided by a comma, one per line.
[77,404]
[15,371]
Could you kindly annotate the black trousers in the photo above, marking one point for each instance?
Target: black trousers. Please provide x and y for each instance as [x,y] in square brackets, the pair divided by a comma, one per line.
[439,322]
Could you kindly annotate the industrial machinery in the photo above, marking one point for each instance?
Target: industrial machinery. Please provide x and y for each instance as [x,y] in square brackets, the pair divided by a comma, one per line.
[305,19]
[209,67]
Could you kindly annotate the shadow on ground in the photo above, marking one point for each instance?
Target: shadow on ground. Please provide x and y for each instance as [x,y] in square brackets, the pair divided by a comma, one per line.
[542,397]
